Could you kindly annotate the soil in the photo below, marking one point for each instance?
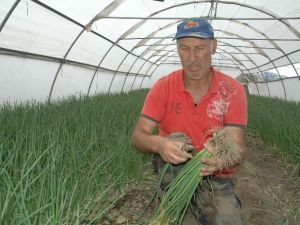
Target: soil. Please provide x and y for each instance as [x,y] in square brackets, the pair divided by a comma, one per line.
[268,187]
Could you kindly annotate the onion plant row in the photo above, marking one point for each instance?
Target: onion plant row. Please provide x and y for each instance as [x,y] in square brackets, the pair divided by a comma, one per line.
[59,162]
[278,123]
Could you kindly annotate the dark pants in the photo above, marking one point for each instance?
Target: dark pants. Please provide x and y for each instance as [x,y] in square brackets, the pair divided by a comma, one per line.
[215,202]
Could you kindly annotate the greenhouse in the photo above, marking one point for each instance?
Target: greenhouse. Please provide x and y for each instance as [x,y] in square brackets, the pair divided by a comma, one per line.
[73,80]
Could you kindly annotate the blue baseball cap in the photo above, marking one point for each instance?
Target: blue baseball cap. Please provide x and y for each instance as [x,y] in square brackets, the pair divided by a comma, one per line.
[196,28]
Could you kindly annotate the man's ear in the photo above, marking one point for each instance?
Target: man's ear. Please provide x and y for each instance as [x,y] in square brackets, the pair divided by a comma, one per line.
[213,46]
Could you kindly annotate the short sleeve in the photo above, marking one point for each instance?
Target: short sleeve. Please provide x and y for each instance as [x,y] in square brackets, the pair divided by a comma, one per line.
[238,110]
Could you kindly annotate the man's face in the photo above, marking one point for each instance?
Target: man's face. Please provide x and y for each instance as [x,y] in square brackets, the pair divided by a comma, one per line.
[195,55]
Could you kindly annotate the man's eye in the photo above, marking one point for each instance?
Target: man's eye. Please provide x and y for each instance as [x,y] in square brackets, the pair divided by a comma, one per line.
[200,48]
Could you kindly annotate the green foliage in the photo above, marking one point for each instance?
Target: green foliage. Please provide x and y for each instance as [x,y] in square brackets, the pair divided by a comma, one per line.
[278,123]
[176,199]
[59,161]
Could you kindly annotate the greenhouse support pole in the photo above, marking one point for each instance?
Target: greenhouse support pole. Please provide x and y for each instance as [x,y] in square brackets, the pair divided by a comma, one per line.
[131,88]
[8,14]
[99,64]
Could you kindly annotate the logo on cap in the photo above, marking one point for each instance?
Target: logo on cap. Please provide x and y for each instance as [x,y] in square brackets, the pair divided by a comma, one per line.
[190,23]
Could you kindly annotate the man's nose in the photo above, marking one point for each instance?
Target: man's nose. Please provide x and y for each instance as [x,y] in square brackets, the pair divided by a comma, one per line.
[192,55]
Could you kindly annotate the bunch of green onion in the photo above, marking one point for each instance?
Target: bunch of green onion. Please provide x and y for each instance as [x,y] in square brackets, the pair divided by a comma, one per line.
[180,192]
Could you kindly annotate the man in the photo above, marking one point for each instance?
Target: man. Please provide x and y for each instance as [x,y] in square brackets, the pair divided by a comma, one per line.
[196,100]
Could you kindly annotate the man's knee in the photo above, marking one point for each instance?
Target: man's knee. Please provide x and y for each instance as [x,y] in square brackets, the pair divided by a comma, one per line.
[226,202]
[217,202]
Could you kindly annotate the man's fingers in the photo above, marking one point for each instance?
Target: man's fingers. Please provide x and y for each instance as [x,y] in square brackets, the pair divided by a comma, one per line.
[209,161]
[178,158]
[209,147]
[211,166]
[189,155]
[208,170]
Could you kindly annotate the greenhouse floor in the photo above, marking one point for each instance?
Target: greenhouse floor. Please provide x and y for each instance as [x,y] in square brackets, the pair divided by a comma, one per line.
[268,186]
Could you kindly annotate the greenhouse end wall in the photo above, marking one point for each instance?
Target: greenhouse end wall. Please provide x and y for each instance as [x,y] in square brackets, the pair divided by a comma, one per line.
[285,89]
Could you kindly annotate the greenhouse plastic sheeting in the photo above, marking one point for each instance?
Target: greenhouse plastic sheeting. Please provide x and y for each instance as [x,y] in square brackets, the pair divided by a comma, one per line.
[53,49]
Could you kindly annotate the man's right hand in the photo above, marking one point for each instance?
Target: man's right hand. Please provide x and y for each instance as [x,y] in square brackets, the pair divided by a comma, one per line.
[172,151]
[171,148]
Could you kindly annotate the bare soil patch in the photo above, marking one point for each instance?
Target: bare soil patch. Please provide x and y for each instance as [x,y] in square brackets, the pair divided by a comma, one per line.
[268,186]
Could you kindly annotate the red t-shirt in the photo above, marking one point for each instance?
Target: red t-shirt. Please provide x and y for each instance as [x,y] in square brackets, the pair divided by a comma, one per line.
[169,104]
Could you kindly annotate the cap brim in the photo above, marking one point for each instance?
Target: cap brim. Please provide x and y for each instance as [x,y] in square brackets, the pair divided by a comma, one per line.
[193,35]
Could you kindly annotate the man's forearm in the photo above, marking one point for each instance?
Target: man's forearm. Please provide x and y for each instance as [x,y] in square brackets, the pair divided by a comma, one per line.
[146,142]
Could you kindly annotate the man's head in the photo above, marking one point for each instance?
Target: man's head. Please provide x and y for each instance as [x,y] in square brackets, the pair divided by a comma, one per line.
[195,45]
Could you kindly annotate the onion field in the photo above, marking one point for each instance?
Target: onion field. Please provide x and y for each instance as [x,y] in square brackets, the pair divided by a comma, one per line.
[278,123]
[68,162]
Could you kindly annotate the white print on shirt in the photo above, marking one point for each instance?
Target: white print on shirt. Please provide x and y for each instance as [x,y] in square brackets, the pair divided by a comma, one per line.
[218,107]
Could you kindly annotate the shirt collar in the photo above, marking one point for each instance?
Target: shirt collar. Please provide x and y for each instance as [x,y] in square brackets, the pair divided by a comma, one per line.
[213,85]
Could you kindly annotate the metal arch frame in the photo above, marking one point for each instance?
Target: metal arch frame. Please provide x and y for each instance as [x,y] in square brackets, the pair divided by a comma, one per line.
[151,57]
[218,48]
[97,69]
[116,71]
[140,43]
[272,14]
[265,11]
[14,6]
[62,63]
[229,54]
[242,39]
[234,60]
[265,55]
[245,66]
[136,26]
[147,72]
[63,60]
[144,52]
[227,44]
[255,83]
[68,50]
[298,50]
[260,52]
[273,43]
[221,42]
[219,53]
[73,43]
[237,66]
[128,52]
[71,46]
[212,2]
[176,53]
[131,88]
[154,64]
[295,32]
[268,63]
[133,28]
